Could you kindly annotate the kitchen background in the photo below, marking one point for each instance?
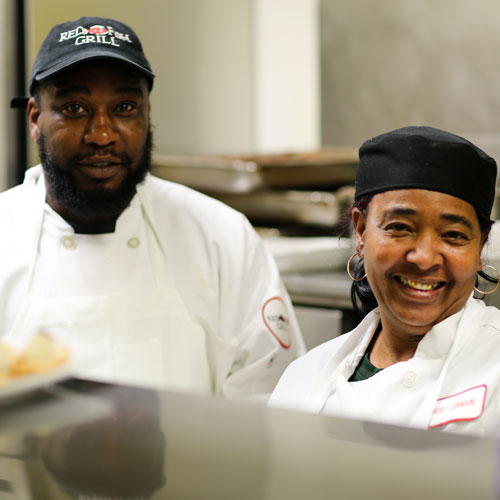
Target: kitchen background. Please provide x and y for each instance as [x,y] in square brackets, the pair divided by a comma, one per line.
[253,77]
[258,75]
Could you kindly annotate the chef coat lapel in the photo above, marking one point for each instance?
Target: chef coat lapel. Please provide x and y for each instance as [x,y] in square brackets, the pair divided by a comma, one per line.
[342,363]
[139,338]
[35,200]
[470,319]
[221,354]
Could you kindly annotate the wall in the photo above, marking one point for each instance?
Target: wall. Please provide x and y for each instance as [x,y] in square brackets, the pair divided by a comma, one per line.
[390,63]
[384,64]
[287,75]
[7,116]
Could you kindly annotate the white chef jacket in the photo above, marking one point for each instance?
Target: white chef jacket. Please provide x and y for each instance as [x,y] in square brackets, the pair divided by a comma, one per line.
[226,279]
[451,383]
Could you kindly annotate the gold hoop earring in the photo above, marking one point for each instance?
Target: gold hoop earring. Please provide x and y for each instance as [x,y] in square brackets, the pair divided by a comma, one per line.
[496,286]
[349,269]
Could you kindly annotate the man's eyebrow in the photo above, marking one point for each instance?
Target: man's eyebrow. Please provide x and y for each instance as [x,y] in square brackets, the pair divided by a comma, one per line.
[130,88]
[63,90]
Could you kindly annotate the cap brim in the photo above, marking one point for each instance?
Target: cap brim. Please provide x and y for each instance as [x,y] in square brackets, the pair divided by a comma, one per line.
[19,102]
[70,62]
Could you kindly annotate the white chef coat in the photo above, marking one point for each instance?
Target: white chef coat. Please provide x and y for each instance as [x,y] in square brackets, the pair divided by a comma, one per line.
[451,383]
[226,280]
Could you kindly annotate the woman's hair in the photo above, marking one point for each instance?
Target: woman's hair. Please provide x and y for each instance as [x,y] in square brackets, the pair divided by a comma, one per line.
[362,297]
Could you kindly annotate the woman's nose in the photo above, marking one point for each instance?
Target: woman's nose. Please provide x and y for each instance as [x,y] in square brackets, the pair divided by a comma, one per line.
[101,130]
[425,252]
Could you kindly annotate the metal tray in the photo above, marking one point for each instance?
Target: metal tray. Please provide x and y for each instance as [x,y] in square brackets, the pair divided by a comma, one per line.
[286,207]
[327,168]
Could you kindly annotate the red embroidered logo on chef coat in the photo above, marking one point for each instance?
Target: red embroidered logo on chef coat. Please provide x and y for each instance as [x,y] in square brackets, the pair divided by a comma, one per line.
[276,319]
[466,405]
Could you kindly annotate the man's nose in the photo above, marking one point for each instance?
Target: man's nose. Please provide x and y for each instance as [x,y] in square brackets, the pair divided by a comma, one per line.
[101,129]
[425,252]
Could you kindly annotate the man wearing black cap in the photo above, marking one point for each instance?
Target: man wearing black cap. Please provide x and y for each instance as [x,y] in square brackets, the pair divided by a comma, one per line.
[147,281]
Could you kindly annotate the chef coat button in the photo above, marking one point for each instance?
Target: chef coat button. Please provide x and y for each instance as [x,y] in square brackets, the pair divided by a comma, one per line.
[68,242]
[409,379]
[133,242]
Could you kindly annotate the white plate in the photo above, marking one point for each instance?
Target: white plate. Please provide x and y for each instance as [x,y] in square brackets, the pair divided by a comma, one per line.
[20,387]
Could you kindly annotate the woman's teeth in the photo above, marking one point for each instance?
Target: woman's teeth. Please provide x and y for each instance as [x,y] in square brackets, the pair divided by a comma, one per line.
[417,285]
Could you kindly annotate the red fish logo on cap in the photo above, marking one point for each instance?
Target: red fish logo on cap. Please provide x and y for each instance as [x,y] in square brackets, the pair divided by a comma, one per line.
[98,30]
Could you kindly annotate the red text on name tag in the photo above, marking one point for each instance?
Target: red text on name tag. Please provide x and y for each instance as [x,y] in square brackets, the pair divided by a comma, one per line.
[466,405]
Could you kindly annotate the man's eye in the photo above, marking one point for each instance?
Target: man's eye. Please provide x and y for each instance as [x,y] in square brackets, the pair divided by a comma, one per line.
[125,107]
[74,108]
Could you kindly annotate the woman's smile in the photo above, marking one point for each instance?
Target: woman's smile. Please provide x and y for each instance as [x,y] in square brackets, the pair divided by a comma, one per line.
[422,285]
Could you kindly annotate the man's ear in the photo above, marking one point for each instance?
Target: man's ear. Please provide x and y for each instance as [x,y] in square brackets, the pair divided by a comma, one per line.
[33,112]
[359,221]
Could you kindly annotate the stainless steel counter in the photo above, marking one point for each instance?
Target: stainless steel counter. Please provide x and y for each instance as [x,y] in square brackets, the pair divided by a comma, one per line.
[88,440]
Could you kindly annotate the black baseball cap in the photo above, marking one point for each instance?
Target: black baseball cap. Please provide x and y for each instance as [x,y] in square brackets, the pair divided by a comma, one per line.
[73,42]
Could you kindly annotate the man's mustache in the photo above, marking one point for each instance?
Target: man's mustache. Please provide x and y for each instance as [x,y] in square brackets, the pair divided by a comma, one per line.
[75,160]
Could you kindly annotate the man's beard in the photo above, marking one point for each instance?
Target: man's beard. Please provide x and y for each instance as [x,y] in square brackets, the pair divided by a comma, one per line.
[63,188]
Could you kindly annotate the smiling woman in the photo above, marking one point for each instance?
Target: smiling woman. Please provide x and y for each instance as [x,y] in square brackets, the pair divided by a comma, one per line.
[421,219]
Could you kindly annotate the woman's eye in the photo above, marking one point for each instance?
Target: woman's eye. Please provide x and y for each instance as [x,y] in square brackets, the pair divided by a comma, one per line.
[456,236]
[398,227]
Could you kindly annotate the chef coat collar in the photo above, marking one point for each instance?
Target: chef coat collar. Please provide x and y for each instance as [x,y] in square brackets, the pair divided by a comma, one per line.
[108,227]
[437,342]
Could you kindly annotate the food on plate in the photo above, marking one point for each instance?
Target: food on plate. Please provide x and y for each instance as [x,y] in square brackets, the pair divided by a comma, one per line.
[7,358]
[41,354]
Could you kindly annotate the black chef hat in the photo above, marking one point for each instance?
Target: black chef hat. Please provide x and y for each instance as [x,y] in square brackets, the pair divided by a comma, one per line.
[74,42]
[427,158]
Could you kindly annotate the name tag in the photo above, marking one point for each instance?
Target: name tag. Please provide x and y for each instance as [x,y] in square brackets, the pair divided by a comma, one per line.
[466,405]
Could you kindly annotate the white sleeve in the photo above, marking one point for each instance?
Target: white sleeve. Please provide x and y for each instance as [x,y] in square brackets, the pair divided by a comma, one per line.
[230,283]
[262,321]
